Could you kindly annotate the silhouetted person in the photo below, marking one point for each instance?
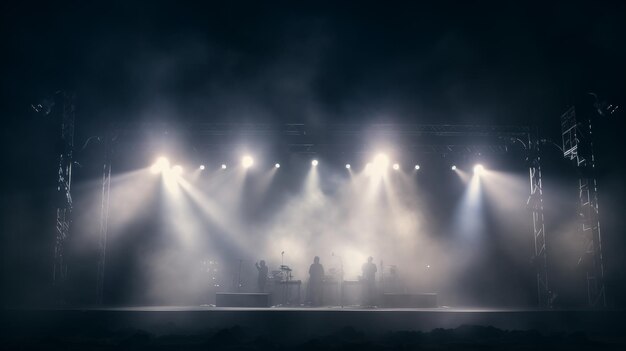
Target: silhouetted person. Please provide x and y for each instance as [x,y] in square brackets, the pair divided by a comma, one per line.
[316,277]
[369,281]
[262,268]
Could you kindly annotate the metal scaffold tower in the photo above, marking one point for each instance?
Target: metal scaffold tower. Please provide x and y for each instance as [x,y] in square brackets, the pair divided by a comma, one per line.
[65,113]
[577,135]
[535,204]
[297,138]
[104,220]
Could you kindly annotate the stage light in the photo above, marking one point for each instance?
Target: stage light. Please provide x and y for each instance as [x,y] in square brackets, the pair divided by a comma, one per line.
[347,166]
[396,166]
[223,166]
[453,167]
[314,162]
[381,161]
[417,167]
[160,165]
[478,169]
[202,167]
[277,165]
[247,161]
[178,170]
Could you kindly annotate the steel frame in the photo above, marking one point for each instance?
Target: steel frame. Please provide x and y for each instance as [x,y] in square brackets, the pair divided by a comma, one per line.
[65,113]
[104,220]
[535,204]
[307,142]
[577,141]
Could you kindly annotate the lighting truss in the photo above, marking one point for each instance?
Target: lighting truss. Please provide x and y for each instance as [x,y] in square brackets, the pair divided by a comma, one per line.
[301,139]
[577,138]
[64,111]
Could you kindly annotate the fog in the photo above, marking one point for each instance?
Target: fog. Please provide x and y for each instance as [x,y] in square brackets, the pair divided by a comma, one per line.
[179,238]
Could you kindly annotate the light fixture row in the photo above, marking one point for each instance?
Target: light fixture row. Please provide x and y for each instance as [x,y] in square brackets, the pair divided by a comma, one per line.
[162,164]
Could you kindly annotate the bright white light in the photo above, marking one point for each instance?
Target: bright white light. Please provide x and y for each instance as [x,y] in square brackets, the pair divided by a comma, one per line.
[417,167]
[368,165]
[277,165]
[160,165]
[247,161]
[453,167]
[396,166]
[202,167]
[478,169]
[314,162]
[178,170]
[223,166]
[347,166]
[381,161]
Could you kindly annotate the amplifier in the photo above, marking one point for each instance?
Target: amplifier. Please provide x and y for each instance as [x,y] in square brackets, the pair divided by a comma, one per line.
[242,300]
[410,300]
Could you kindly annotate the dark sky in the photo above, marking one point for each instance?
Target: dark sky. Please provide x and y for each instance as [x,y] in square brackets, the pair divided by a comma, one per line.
[317,63]
[449,62]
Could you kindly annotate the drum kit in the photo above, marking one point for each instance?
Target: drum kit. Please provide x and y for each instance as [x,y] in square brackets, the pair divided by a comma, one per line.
[281,275]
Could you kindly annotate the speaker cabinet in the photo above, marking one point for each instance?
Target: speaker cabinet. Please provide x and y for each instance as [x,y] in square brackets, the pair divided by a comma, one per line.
[410,300]
[242,300]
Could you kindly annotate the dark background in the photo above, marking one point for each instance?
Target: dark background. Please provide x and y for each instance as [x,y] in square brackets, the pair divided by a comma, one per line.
[364,62]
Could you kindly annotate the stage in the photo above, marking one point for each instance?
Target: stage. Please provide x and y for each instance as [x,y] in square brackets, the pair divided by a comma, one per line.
[298,323]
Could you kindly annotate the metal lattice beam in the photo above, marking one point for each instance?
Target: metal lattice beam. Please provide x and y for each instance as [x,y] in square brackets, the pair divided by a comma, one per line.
[535,204]
[577,140]
[104,221]
[297,138]
[65,113]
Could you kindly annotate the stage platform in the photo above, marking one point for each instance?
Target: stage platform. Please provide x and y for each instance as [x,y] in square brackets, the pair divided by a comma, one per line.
[302,322]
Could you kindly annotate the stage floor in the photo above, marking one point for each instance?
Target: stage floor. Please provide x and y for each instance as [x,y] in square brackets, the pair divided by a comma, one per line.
[303,322]
[288,308]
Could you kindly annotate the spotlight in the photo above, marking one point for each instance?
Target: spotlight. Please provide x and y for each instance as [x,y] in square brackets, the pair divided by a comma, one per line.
[247,162]
[314,162]
[453,167]
[381,161]
[178,170]
[223,166]
[478,169]
[396,166]
[347,166]
[417,167]
[277,165]
[202,167]
[160,165]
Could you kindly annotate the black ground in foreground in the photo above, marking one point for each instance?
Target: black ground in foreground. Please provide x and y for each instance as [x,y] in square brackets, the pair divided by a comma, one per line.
[466,337]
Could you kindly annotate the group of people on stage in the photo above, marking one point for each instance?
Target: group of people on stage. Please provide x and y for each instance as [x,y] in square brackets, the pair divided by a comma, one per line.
[316,281]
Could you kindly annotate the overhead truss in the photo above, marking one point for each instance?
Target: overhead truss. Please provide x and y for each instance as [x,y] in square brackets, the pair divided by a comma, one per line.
[299,138]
